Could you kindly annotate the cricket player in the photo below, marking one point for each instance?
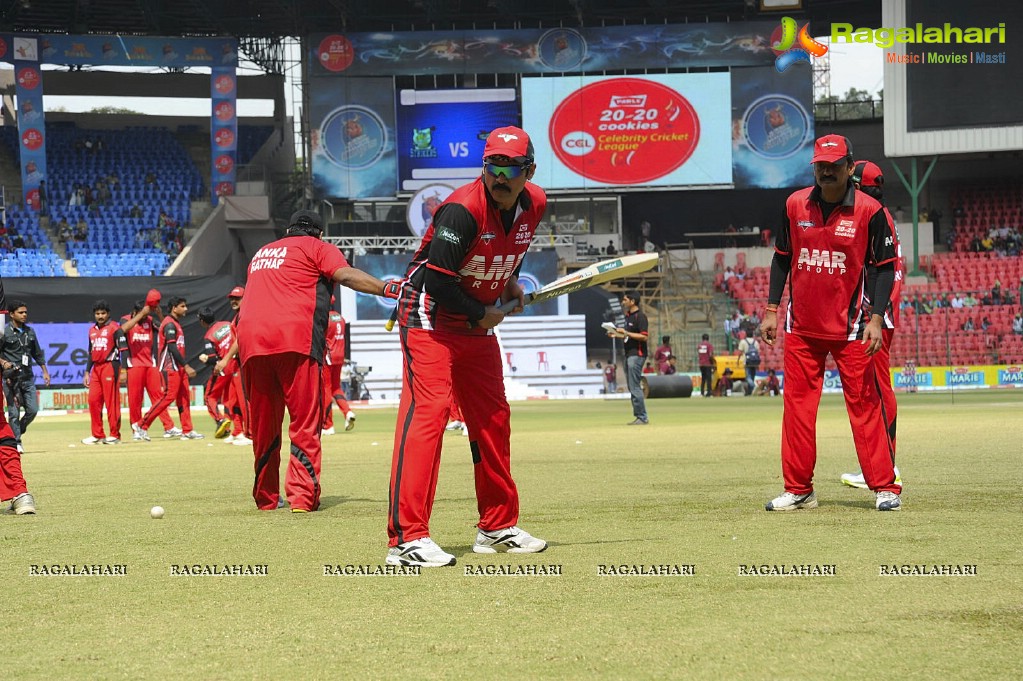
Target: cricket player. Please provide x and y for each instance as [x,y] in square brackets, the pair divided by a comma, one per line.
[290,282]
[176,373]
[468,263]
[102,377]
[869,179]
[219,388]
[831,236]
[335,359]
[136,341]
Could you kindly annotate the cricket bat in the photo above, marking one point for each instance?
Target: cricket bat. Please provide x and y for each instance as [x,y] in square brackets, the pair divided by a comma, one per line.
[597,273]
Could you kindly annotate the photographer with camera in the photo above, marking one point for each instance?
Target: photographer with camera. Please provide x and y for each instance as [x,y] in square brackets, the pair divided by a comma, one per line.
[19,349]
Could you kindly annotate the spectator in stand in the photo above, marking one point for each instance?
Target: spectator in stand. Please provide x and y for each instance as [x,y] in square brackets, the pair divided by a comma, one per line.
[64,232]
[611,250]
[81,230]
[135,211]
[768,385]
[113,180]
[662,353]
[996,293]
[705,359]
[726,281]
[957,302]
[968,324]
[150,180]
[985,323]
[1017,325]
[749,350]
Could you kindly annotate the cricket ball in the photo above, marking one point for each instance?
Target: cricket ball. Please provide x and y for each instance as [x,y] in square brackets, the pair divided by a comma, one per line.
[156,512]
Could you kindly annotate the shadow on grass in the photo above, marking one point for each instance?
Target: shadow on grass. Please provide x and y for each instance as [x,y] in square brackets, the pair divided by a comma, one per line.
[331,502]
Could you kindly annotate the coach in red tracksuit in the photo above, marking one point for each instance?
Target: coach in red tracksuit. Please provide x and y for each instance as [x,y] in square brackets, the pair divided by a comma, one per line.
[467,264]
[138,335]
[830,237]
[290,282]
[176,373]
[335,359]
[102,377]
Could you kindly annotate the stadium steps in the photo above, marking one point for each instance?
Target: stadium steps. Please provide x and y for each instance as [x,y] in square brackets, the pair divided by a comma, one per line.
[10,175]
[198,146]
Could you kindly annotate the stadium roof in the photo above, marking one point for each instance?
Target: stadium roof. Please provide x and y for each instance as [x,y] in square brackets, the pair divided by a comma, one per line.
[276,18]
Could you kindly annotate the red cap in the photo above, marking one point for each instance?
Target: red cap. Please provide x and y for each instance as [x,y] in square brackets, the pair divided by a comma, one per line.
[868,174]
[153,298]
[237,292]
[511,142]
[831,148]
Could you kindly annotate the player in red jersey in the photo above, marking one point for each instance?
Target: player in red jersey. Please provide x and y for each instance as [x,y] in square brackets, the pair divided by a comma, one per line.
[102,372]
[335,359]
[468,262]
[290,281]
[12,480]
[240,434]
[176,372]
[868,178]
[136,341]
[831,236]
[218,340]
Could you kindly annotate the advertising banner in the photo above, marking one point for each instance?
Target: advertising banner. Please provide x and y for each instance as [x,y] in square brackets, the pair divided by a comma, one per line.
[125,50]
[28,87]
[353,138]
[772,128]
[655,130]
[555,50]
[223,131]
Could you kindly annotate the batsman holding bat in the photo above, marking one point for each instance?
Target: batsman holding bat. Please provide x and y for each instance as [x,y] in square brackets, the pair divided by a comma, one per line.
[466,266]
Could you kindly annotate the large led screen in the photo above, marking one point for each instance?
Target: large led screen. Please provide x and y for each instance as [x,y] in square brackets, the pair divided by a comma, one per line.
[441,133]
[630,131]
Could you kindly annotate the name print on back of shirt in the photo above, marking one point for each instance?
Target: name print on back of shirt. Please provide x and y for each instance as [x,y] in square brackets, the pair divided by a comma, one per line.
[268,259]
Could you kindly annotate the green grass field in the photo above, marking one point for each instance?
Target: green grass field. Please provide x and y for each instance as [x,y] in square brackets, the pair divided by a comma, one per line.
[689,489]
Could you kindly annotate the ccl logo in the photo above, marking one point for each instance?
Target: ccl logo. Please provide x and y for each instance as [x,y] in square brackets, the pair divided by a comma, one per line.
[578,143]
[784,41]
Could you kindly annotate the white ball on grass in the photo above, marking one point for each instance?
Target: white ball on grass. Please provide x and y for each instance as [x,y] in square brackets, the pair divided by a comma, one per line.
[156,512]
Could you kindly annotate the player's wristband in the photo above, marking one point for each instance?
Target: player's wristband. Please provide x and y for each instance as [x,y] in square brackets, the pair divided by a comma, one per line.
[771,308]
[392,289]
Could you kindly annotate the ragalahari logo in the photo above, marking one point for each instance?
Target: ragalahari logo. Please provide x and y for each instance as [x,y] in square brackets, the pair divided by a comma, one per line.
[794,46]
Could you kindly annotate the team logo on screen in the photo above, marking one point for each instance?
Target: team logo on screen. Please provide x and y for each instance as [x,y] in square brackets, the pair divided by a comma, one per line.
[794,46]
[776,127]
[422,143]
[561,49]
[353,136]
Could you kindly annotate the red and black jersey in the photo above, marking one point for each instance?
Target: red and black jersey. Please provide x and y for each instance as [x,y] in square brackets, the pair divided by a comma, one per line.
[828,295]
[102,343]
[891,313]
[218,340]
[140,341]
[335,338]
[476,244]
[705,354]
[287,298]
[171,336]
[636,322]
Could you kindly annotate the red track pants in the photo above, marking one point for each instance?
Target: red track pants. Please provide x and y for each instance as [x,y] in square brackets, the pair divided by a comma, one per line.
[274,382]
[104,391]
[12,482]
[218,388]
[437,364]
[332,394]
[882,359]
[144,379]
[175,390]
[804,378]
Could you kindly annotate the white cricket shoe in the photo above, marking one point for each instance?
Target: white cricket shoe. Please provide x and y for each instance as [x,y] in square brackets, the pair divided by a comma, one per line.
[420,552]
[192,435]
[23,504]
[511,539]
[791,502]
[454,425]
[349,420]
[327,431]
[465,430]
[136,432]
[856,479]
[92,440]
[173,432]
[111,440]
[229,438]
[242,441]
[888,501]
